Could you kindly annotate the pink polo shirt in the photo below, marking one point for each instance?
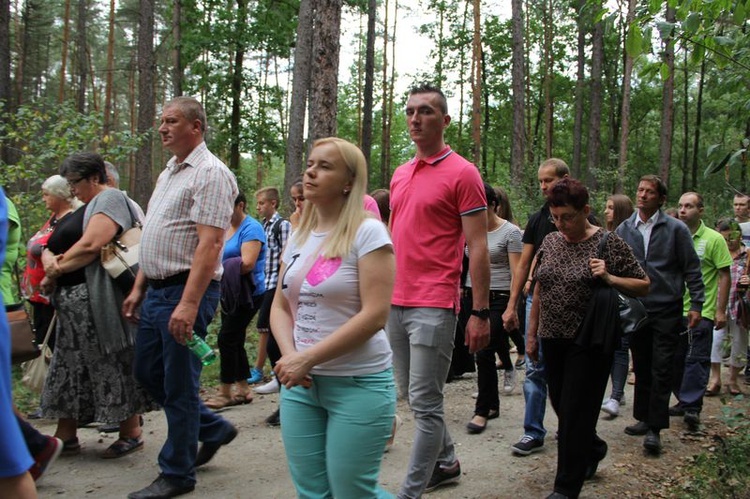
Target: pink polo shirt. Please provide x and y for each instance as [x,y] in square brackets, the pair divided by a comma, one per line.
[428,199]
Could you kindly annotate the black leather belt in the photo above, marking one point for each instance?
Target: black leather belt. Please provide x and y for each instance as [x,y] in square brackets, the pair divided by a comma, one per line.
[494,294]
[173,280]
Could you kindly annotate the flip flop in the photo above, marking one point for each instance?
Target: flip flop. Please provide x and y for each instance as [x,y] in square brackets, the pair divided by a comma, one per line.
[220,402]
[122,447]
[713,390]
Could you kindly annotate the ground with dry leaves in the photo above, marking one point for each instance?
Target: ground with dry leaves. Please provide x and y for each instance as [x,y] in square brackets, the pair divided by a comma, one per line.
[253,466]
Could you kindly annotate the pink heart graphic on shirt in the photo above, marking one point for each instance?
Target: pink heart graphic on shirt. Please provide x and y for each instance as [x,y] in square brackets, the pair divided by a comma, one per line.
[322,269]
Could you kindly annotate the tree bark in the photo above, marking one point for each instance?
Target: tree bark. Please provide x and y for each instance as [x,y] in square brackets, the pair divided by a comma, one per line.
[548,74]
[622,158]
[325,68]
[579,91]
[236,87]
[4,69]
[295,147]
[141,182]
[64,55]
[593,157]
[667,113]
[177,70]
[518,137]
[110,70]
[476,91]
[372,15]
[81,44]
[698,122]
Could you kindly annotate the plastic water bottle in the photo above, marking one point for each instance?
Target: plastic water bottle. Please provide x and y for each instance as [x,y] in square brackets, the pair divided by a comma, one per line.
[202,350]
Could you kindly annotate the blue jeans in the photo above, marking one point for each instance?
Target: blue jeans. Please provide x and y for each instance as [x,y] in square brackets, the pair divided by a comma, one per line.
[422,343]
[335,433]
[534,390]
[692,365]
[620,368]
[170,372]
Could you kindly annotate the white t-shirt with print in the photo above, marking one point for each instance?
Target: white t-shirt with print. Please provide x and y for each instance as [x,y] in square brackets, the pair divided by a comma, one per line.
[329,297]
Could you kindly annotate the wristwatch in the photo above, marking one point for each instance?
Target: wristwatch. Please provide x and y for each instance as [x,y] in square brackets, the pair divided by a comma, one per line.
[482,313]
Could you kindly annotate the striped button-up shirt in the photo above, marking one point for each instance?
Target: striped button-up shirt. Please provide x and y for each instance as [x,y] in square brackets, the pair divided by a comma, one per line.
[275,246]
[199,191]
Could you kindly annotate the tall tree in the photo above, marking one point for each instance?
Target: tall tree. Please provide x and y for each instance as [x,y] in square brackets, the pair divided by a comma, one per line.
[476,91]
[518,137]
[141,183]
[110,70]
[580,99]
[64,57]
[81,58]
[5,96]
[177,70]
[632,44]
[295,148]
[549,61]
[667,110]
[698,123]
[595,102]
[236,89]
[372,14]
[325,68]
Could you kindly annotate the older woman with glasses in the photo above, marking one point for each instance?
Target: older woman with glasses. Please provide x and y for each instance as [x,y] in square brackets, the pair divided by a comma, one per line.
[567,271]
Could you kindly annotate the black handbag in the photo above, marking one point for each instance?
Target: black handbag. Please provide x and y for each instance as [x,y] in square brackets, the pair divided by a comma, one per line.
[632,312]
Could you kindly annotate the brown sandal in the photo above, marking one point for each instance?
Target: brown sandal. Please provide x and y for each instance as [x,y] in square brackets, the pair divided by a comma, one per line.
[122,447]
[220,402]
[713,390]
[243,398]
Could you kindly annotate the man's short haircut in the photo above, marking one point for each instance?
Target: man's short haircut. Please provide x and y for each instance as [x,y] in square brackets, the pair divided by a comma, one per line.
[740,195]
[560,166]
[426,88]
[191,109]
[569,192]
[112,173]
[269,193]
[697,196]
[661,187]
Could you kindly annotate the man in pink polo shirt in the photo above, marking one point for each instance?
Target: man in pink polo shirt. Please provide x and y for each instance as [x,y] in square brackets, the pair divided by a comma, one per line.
[437,204]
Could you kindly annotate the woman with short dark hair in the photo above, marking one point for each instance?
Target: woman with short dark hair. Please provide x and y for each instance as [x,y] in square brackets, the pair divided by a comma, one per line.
[91,374]
[567,271]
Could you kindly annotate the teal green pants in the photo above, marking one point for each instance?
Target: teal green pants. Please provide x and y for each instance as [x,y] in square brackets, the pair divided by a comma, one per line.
[335,433]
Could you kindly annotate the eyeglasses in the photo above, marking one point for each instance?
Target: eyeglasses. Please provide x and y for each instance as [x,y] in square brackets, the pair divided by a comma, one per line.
[564,218]
[72,183]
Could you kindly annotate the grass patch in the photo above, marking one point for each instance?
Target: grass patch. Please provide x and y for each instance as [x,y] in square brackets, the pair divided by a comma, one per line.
[723,470]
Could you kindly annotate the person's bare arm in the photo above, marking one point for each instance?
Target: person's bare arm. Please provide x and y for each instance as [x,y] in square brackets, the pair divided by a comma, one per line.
[722,298]
[135,298]
[532,342]
[520,275]
[282,320]
[99,231]
[475,232]
[210,243]
[249,252]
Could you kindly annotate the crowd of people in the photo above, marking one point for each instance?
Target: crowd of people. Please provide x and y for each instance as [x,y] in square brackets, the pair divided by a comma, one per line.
[361,299]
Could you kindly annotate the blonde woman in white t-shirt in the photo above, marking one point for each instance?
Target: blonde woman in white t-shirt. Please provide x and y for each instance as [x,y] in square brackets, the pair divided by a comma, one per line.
[338,396]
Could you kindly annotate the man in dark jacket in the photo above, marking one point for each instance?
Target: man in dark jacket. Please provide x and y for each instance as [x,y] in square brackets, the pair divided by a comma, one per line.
[664,248]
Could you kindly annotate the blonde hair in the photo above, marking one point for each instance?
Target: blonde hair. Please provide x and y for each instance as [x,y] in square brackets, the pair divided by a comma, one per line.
[340,240]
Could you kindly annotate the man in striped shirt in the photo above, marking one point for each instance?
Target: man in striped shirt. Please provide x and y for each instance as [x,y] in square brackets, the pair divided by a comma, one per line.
[180,269]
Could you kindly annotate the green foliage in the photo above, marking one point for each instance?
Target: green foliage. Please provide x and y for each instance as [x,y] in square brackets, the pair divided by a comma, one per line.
[723,470]
[40,137]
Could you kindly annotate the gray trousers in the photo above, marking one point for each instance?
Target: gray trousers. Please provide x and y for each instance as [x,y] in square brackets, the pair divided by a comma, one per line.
[422,343]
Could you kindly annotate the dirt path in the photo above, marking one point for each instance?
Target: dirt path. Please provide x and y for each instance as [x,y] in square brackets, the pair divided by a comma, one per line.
[253,466]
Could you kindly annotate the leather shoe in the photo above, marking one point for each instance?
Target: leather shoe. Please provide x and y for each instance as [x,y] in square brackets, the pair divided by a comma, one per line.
[640,428]
[557,495]
[652,442]
[475,429]
[676,411]
[209,449]
[161,488]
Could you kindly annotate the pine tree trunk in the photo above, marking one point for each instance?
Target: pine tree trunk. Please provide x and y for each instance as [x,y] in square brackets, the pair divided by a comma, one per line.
[593,156]
[518,137]
[81,44]
[325,68]
[295,147]
[627,72]
[476,91]
[372,15]
[4,70]
[141,182]
[177,70]
[575,165]
[64,54]
[236,89]
[698,122]
[110,70]
[549,109]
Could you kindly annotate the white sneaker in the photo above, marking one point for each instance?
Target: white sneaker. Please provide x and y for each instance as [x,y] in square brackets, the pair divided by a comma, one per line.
[270,387]
[509,381]
[611,407]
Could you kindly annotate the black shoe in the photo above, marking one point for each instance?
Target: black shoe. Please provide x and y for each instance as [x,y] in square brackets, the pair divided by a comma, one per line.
[692,420]
[475,429]
[274,419]
[557,495]
[676,411]
[161,488]
[209,449]
[443,476]
[640,428]
[35,415]
[594,464]
[652,442]
[527,445]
